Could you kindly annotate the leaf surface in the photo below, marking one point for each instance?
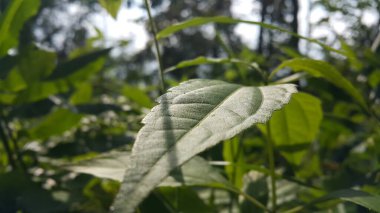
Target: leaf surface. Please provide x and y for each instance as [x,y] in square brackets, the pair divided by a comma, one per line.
[55,123]
[206,60]
[296,124]
[112,6]
[137,95]
[77,64]
[12,21]
[198,21]
[113,166]
[191,118]
[322,69]
[354,196]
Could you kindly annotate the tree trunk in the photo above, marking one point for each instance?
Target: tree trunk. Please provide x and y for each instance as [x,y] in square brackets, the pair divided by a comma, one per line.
[294,25]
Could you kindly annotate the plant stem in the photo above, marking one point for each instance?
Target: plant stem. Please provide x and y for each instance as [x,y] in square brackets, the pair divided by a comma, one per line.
[235,158]
[9,135]
[272,173]
[158,54]
[7,148]
[249,198]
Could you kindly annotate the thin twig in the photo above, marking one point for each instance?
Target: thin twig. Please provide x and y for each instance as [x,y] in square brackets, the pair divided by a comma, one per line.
[375,43]
[158,54]
[250,199]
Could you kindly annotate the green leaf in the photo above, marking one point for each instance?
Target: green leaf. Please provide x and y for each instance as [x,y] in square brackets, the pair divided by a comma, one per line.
[297,123]
[14,82]
[358,197]
[198,21]
[55,123]
[113,166]
[39,91]
[374,79]
[191,118]
[77,64]
[234,154]
[36,64]
[12,21]
[135,94]
[82,95]
[112,6]
[79,70]
[205,60]
[110,166]
[322,69]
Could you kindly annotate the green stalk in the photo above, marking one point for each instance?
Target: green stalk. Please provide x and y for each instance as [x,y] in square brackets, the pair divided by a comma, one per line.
[272,173]
[8,134]
[7,148]
[249,198]
[158,54]
[235,158]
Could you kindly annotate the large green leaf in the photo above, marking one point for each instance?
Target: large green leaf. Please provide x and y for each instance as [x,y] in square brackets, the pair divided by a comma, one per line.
[227,20]
[354,196]
[36,64]
[39,91]
[77,64]
[78,70]
[112,6]
[113,166]
[82,95]
[297,123]
[55,123]
[191,118]
[360,198]
[137,95]
[322,69]
[12,21]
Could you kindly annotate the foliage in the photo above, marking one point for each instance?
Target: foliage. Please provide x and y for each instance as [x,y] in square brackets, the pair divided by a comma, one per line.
[238,138]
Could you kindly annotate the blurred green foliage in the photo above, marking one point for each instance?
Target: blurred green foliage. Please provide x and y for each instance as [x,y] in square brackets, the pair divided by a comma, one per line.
[70,110]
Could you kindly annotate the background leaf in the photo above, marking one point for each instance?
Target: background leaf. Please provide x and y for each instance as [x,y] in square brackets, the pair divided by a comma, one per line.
[358,197]
[198,21]
[137,95]
[36,64]
[77,64]
[296,124]
[13,19]
[55,123]
[113,166]
[322,69]
[112,6]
